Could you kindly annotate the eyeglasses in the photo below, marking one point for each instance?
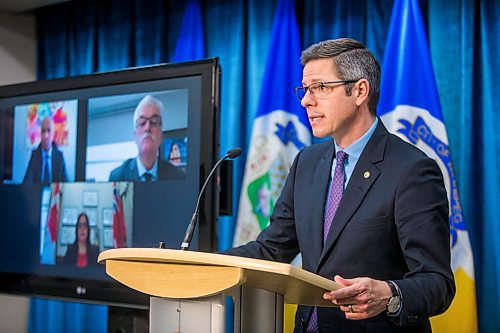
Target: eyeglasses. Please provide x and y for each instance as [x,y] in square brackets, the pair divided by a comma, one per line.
[154,121]
[319,89]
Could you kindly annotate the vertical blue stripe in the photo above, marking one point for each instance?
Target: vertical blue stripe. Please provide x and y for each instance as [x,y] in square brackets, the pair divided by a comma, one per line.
[407,76]
[191,40]
[283,70]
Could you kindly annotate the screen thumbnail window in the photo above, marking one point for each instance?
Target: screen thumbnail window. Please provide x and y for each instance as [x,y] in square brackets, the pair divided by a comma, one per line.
[80,220]
[44,144]
[126,136]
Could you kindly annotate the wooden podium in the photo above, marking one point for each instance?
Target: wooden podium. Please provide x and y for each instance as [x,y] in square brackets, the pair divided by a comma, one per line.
[188,289]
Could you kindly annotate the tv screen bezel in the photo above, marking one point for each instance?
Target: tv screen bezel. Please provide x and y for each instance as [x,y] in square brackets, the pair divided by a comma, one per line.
[104,292]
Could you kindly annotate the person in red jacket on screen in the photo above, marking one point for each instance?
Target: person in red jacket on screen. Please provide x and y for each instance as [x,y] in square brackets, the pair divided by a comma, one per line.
[82,253]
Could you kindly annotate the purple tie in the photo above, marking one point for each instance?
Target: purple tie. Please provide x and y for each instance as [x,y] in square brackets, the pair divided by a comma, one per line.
[336,191]
[334,196]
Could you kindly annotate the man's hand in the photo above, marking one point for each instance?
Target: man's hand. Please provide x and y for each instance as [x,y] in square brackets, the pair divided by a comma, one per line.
[361,298]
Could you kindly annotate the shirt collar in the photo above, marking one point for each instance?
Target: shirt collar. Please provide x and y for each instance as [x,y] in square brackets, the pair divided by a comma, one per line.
[142,169]
[47,152]
[356,148]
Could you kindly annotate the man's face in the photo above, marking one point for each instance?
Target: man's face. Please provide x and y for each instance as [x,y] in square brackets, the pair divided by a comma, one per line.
[331,116]
[148,135]
[47,133]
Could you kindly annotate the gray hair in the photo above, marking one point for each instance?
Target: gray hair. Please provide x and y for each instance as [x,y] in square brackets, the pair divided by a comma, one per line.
[147,100]
[352,61]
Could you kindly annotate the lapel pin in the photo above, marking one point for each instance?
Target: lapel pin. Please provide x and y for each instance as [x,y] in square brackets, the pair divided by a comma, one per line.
[366,175]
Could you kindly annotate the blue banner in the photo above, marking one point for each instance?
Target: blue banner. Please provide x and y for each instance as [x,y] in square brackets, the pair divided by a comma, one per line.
[280,129]
[191,40]
[408,77]
[409,107]
[283,70]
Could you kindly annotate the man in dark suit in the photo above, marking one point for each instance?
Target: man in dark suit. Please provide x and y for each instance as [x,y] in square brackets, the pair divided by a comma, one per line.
[148,137]
[366,209]
[47,161]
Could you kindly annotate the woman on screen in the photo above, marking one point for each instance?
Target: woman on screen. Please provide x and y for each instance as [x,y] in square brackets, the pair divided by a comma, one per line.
[81,253]
[174,156]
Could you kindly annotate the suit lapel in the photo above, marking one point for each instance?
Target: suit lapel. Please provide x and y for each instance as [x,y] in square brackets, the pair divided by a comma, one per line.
[318,198]
[39,161]
[358,186]
[134,172]
[54,159]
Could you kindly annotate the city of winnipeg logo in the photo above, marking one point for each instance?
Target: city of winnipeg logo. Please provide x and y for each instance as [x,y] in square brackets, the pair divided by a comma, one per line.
[419,130]
[264,190]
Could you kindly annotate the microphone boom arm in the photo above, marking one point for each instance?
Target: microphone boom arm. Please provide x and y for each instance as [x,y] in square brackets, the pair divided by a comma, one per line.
[233,153]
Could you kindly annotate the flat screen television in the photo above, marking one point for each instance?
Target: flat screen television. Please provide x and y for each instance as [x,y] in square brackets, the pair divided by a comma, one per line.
[93,133]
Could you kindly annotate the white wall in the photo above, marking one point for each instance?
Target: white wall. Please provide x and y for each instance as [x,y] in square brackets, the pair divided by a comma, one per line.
[17,64]
[14,314]
[17,48]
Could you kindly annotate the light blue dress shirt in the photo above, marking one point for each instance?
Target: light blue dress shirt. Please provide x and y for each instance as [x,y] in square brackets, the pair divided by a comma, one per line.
[354,152]
[142,170]
[47,155]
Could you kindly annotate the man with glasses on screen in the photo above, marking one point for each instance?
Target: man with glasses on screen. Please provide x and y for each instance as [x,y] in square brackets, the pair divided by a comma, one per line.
[365,209]
[47,161]
[148,137]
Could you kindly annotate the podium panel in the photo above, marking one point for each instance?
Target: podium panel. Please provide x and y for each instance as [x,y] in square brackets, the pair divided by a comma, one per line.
[205,315]
[257,310]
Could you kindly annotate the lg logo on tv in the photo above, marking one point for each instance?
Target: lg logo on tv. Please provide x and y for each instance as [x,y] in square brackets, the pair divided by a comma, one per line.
[81,290]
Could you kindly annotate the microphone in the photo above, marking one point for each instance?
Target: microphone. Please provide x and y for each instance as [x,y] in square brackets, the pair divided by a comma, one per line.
[231,154]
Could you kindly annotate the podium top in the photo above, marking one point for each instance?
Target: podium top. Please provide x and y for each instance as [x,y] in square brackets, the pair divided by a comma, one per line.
[189,274]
